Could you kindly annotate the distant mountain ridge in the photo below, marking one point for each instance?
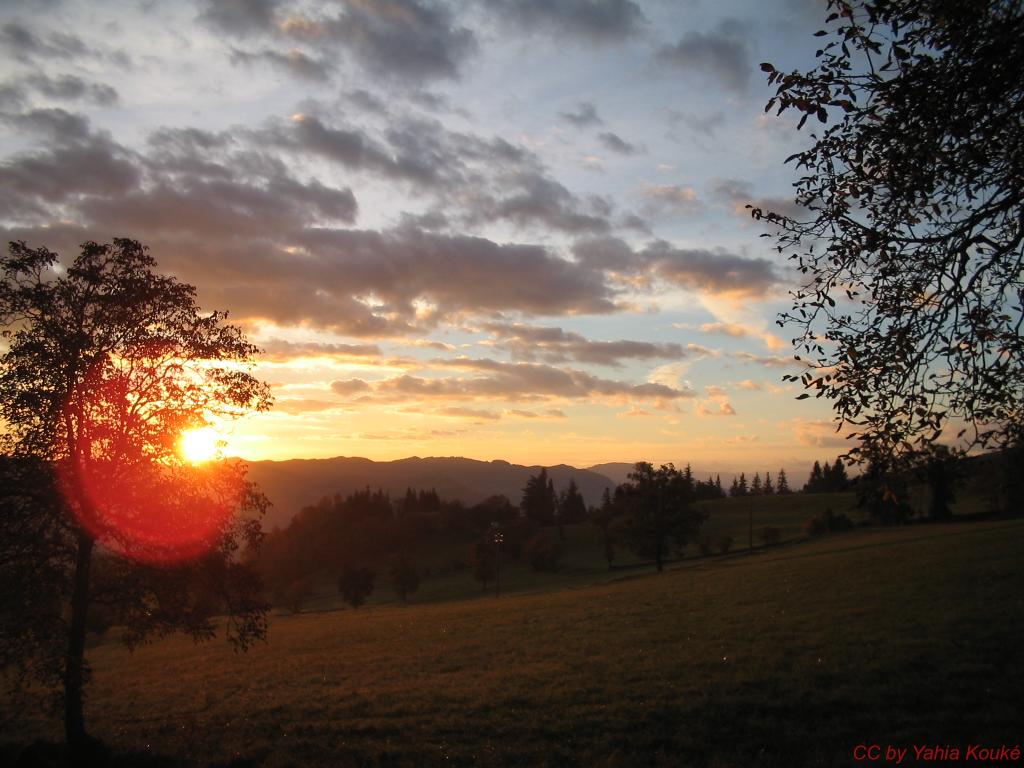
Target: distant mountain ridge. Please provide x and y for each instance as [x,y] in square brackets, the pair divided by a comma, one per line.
[293,484]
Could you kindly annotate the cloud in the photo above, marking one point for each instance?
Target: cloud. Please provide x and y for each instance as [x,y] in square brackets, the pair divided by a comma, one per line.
[17,39]
[771,361]
[54,125]
[550,413]
[232,218]
[468,413]
[722,53]
[278,350]
[634,413]
[705,124]
[615,143]
[716,272]
[293,62]
[349,386]
[715,408]
[738,194]
[819,434]
[70,88]
[404,41]
[680,199]
[536,199]
[239,17]
[595,21]
[554,345]
[496,380]
[583,116]
[78,164]
[737,331]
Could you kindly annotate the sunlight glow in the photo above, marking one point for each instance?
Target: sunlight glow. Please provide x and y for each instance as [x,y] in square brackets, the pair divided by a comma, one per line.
[200,445]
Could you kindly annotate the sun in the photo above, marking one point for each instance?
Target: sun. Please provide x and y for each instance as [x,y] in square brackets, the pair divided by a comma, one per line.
[200,445]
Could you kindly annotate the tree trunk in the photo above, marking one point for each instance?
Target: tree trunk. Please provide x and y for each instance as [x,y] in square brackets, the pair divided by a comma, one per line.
[74,671]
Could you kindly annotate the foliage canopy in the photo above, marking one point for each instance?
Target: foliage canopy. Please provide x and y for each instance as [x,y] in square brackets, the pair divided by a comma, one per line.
[913,237]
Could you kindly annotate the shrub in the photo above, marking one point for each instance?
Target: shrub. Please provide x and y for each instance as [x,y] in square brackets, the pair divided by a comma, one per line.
[837,523]
[355,585]
[725,544]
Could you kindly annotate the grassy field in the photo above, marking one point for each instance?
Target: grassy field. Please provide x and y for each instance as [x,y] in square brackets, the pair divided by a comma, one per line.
[584,563]
[789,657]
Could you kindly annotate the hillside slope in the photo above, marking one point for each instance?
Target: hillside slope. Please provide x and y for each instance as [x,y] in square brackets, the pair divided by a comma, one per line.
[788,658]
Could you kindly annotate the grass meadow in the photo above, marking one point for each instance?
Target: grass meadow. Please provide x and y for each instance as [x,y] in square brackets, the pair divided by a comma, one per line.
[791,656]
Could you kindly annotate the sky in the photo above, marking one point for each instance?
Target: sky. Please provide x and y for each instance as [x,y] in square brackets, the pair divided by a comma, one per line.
[502,229]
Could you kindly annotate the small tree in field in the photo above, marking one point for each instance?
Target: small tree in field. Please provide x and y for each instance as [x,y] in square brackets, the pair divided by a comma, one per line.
[108,365]
[658,517]
[355,585]
[405,579]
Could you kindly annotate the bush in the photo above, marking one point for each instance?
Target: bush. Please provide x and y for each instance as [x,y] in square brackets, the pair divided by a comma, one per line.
[830,523]
[355,585]
[725,544]
[544,553]
[837,523]
[770,535]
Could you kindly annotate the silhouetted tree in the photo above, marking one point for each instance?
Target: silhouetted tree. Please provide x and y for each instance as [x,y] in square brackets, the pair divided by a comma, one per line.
[539,502]
[836,480]
[107,364]
[571,507]
[830,478]
[484,560]
[603,518]
[816,481]
[940,468]
[768,489]
[882,491]
[658,516]
[355,584]
[755,487]
[910,235]
[405,579]
[783,486]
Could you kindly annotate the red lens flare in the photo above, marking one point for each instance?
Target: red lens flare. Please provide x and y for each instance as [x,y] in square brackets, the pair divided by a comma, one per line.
[153,514]
[128,484]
